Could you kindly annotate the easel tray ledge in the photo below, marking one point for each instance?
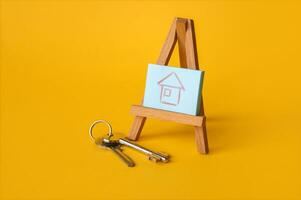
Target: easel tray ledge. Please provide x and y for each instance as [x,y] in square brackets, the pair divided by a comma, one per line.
[142,111]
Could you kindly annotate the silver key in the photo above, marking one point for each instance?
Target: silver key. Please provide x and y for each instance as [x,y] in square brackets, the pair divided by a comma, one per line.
[115,147]
[154,156]
[123,157]
[110,144]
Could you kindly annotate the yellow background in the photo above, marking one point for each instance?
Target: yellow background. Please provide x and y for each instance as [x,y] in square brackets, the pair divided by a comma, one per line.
[67,63]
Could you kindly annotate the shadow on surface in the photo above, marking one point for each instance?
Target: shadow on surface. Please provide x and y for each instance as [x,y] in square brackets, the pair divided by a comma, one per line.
[224,132]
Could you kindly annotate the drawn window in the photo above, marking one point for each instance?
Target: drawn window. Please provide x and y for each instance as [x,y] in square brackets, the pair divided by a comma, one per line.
[167,92]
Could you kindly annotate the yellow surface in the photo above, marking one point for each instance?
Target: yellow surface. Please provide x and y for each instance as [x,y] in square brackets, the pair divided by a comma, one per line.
[67,63]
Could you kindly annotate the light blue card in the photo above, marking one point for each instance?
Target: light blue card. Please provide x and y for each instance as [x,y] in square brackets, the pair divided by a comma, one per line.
[173,89]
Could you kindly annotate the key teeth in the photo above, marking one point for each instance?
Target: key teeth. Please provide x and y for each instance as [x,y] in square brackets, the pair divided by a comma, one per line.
[154,159]
[131,165]
[164,154]
[158,159]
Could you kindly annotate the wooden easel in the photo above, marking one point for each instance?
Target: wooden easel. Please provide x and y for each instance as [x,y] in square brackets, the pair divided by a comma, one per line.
[182,30]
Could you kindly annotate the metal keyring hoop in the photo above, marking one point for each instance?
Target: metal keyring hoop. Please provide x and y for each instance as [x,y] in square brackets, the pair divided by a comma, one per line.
[110,134]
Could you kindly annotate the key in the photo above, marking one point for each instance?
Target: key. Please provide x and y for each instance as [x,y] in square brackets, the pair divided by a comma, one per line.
[110,144]
[115,147]
[123,156]
[154,156]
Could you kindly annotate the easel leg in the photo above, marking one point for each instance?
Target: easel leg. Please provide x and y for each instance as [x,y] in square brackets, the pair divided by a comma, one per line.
[202,111]
[201,138]
[137,127]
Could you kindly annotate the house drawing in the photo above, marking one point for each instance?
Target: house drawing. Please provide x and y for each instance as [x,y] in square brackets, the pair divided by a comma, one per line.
[171,88]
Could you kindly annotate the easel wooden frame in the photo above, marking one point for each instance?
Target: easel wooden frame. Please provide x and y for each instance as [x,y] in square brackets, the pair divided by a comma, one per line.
[182,30]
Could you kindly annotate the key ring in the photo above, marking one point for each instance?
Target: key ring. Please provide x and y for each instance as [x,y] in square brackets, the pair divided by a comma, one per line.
[110,133]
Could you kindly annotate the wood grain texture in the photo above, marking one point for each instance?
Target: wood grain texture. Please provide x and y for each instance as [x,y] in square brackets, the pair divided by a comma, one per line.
[191,49]
[181,35]
[202,110]
[201,138]
[167,115]
[169,45]
[136,128]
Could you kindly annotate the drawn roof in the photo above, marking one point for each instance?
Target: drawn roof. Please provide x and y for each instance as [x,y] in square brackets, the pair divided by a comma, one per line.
[173,80]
